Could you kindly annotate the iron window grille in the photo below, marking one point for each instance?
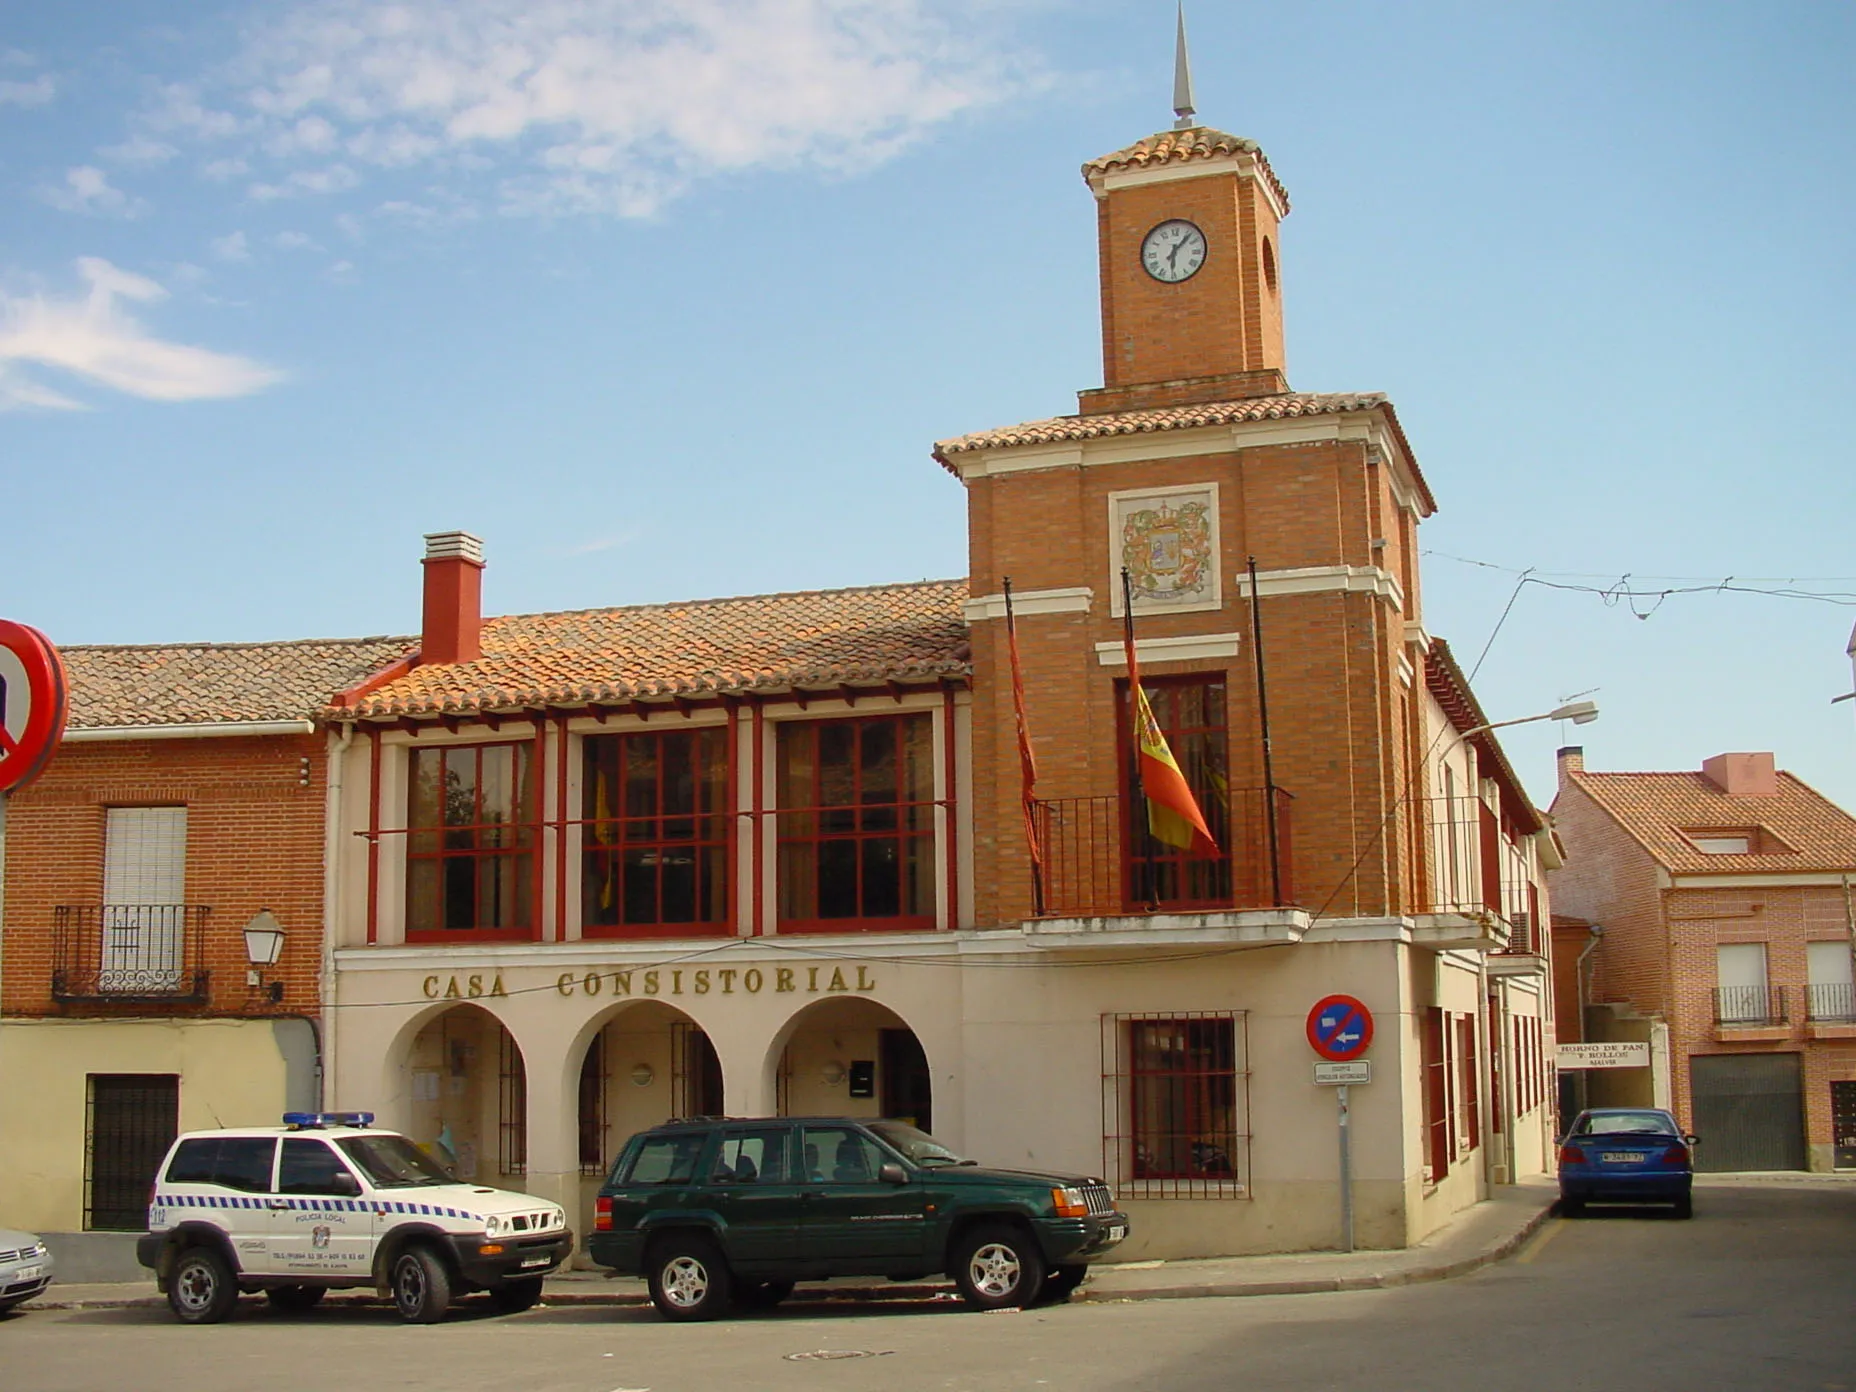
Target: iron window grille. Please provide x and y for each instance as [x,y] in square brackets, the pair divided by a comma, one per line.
[1176,1104]
[511,1106]
[130,1121]
[593,1124]
[695,1072]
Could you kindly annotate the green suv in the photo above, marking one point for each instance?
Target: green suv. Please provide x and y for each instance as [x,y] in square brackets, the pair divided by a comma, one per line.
[721,1211]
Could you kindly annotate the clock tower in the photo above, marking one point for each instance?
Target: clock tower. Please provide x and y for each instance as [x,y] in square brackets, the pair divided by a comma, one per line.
[1187,234]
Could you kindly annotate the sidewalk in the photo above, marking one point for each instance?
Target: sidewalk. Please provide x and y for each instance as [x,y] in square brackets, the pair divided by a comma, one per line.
[1484,1234]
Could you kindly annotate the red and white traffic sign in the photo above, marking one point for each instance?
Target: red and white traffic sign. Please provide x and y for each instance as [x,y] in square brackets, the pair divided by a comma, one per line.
[1339,1028]
[34,701]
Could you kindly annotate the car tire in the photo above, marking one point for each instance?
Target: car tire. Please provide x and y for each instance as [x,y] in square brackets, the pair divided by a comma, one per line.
[1571,1208]
[421,1286]
[513,1297]
[761,1295]
[13,1304]
[1685,1206]
[998,1267]
[294,1300]
[1061,1282]
[201,1288]
[689,1279]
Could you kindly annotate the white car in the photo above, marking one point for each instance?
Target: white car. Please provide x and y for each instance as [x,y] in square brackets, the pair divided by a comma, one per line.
[325,1202]
[25,1267]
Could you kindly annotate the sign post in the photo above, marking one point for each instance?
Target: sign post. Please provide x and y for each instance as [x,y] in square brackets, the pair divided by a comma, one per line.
[1339,1029]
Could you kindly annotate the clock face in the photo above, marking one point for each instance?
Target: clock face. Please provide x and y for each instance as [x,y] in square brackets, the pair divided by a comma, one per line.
[1173,250]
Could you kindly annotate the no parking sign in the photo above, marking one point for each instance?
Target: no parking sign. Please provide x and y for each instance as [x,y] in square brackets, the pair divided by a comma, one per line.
[34,701]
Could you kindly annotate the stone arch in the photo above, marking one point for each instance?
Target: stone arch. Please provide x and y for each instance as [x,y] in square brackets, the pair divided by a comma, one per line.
[455,1079]
[813,1059]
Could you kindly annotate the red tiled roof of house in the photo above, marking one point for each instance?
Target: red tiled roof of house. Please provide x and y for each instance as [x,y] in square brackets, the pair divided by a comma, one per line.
[1199,142]
[1656,808]
[216,683]
[812,639]
[1291,406]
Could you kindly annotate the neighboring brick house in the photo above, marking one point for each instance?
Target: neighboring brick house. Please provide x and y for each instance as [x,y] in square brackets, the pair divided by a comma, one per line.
[1722,906]
[188,799]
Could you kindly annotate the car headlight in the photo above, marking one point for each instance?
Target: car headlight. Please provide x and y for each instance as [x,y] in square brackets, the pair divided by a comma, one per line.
[1069,1203]
[493,1226]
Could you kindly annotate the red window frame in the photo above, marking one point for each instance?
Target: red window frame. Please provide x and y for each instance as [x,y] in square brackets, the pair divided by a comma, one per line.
[1182,1099]
[1435,1063]
[1469,1112]
[622,838]
[812,817]
[514,845]
[1153,872]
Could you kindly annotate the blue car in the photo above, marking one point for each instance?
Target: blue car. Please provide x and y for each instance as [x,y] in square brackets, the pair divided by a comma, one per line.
[1626,1155]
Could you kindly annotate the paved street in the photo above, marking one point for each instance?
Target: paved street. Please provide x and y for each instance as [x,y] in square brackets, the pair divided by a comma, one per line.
[1754,1293]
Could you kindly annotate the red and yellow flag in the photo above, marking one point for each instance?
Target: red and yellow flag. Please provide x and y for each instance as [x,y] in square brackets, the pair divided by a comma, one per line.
[1173,815]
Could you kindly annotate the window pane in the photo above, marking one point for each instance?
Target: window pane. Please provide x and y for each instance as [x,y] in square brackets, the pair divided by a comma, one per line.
[882,879]
[244,1163]
[837,756]
[460,879]
[423,809]
[798,880]
[460,789]
[308,1167]
[422,896]
[837,879]
[712,763]
[878,755]
[496,791]
[641,758]
[918,758]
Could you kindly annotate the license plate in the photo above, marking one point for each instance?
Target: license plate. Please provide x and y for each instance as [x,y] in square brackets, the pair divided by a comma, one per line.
[1622,1157]
[538,1261]
[28,1273]
[1117,1231]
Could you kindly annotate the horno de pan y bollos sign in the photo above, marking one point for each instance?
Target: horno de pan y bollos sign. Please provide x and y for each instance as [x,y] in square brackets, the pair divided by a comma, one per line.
[34,701]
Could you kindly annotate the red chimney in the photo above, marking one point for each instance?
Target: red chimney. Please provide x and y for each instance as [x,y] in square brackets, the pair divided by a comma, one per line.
[1742,775]
[453,624]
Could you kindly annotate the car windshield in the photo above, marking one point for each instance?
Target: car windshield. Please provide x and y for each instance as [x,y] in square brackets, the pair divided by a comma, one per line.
[393,1162]
[1625,1124]
[920,1148]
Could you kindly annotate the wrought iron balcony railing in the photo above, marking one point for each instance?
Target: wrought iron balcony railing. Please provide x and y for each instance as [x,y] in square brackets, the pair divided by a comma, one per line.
[1830,1002]
[1098,861]
[1474,868]
[1749,1007]
[130,953]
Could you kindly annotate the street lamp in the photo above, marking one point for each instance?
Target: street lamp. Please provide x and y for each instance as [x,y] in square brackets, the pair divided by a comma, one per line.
[264,943]
[1579,712]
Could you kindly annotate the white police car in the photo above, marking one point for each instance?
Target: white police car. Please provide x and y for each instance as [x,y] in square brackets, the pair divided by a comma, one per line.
[326,1201]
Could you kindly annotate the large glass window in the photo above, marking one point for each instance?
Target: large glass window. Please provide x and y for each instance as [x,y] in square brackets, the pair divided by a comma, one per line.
[856,818]
[471,842]
[1191,714]
[656,840]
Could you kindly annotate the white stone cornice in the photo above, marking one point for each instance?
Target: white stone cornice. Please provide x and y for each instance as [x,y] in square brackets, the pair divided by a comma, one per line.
[1076,599]
[1321,579]
[1417,635]
[1189,648]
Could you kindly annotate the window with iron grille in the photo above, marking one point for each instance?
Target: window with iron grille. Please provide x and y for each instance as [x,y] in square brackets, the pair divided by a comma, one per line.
[695,1073]
[655,844]
[856,823]
[511,1107]
[1190,712]
[1176,1104]
[1434,1060]
[130,1121]
[470,846]
[593,1107]
[1468,1113]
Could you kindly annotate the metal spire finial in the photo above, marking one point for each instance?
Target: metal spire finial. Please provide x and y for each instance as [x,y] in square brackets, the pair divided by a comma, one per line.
[1182,78]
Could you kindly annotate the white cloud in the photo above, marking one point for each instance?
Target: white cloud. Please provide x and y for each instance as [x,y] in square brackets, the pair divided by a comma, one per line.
[295,241]
[34,93]
[140,149]
[90,336]
[232,247]
[87,189]
[601,106]
[220,170]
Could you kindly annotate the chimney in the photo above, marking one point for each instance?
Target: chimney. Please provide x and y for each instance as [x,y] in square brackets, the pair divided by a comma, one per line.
[453,620]
[1742,775]
[1571,759]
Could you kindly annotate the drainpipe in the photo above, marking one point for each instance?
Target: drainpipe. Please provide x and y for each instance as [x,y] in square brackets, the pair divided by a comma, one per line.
[331,911]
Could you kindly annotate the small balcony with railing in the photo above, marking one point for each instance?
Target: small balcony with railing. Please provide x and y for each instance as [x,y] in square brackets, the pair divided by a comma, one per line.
[1751,1012]
[1479,889]
[1105,875]
[130,954]
[1830,1009]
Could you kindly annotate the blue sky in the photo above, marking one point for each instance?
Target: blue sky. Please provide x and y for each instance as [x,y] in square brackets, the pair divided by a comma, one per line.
[670,298]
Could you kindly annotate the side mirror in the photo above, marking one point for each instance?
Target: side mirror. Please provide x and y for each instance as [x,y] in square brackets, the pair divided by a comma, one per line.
[1691,1140]
[892,1173]
[345,1186]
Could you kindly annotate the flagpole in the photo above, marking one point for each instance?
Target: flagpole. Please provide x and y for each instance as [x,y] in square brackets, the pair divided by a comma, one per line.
[1263,717]
[1027,765]
[1138,822]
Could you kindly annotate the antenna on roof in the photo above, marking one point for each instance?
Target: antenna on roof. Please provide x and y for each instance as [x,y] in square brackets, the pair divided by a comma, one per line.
[1182,78]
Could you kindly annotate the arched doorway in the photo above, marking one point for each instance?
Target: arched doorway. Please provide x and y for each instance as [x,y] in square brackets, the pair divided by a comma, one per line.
[645,1064]
[853,1057]
[468,1096]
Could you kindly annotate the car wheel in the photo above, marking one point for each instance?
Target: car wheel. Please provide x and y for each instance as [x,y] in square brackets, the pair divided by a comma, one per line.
[762,1295]
[1685,1206]
[201,1289]
[513,1297]
[1571,1208]
[421,1286]
[293,1300]
[13,1304]
[997,1268]
[1061,1281]
[688,1279]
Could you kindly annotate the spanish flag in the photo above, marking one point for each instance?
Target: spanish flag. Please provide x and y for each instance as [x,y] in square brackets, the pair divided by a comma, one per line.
[1173,816]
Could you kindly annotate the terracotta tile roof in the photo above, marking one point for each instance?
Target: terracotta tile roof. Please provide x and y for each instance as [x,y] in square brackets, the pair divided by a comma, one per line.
[1655,807]
[207,683]
[1178,146]
[816,638]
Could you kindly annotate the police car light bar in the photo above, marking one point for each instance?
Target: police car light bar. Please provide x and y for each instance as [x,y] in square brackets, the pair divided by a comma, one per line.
[303,1120]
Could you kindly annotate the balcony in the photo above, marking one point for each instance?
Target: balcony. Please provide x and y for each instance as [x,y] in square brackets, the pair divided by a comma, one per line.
[130,954]
[1750,1012]
[1105,875]
[1479,891]
[1830,1010]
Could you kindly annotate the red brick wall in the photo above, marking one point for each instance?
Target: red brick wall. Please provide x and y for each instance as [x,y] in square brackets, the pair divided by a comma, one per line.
[1610,880]
[254,840]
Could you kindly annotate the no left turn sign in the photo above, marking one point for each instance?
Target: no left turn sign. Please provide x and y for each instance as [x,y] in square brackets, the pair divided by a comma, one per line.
[34,702]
